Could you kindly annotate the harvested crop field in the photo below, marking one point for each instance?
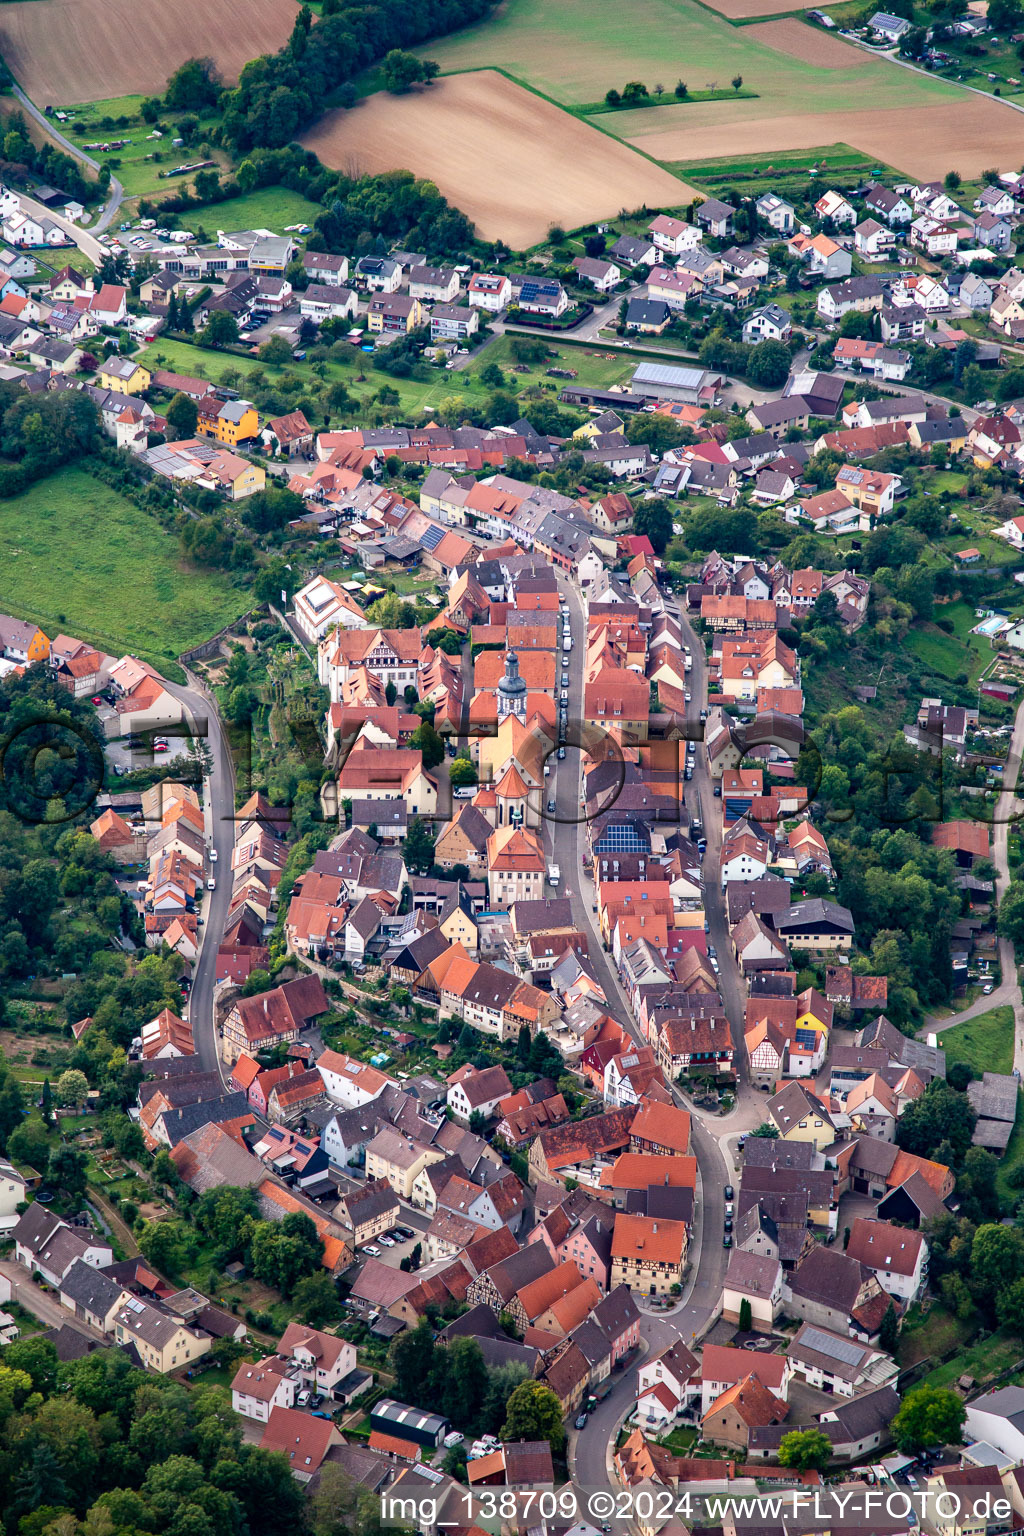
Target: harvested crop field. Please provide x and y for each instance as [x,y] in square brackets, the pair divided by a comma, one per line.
[808,44]
[742,10]
[514,163]
[573,50]
[66,51]
[924,141]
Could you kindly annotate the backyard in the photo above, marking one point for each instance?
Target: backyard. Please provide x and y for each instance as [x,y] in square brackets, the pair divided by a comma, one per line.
[597,367]
[123,585]
[985,1043]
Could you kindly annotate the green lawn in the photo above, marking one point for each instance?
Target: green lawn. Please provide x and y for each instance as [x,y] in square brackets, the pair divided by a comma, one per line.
[596,367]
[985,1042]
[949,655]
[790,169]
[983,1360]
[1013,1155]
[574,50]
[931,1334]
[266,208]
[77,556]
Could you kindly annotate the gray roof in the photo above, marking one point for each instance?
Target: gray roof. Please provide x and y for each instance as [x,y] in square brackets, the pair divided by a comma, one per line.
[829,1277]
[814,913]
[995,1097]
[867,1414]
[841,1357]
[1006,1402]
[90,1288]
[148,1322]
[752,1273]
[179,1123]
[674,378]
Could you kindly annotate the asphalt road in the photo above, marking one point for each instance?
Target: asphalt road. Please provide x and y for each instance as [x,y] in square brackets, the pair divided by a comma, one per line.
[1008,806]
[567,838]
[113,202]
[219,799]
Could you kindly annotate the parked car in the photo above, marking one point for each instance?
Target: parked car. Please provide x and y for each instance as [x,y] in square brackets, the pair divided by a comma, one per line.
[581,1421]
[372,1251]
[729,1192]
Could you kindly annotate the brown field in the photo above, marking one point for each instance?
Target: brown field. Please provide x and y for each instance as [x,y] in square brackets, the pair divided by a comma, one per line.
[68,51]
[514,163]
[808,44]
[924,141]
[740,10]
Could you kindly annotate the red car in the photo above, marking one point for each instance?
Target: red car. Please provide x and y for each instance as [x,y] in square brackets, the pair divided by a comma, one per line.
[98,699]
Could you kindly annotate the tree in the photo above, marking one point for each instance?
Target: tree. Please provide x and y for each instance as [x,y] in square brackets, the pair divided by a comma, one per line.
[221,329]
[997,1258]
[29,1143]
[66,1172]
[634,91]
[681,90]
[411,1358]
[940,1114]
[445,640]
[951,180]
[400,71]
[1010,1308]
[766,1130]
[768,364]
[182,416]
[889,1332]
[454,1463]
[418,848]
[654,519]
[315,1299]
[805,1450]
[193,85]
[736,82]
[612,98]
[12,1108]
[1010,922]
[72,1089]
[426,740]
[928,1416]
[746,1315]
[533,1412]
[276,352]
[283,1253]
[389,612]
[462,772]
[1004,15]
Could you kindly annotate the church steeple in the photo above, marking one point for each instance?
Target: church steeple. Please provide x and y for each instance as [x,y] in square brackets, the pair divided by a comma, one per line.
[512,690]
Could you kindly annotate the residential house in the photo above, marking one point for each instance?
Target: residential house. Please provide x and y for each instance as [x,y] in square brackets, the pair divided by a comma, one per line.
[896,1255]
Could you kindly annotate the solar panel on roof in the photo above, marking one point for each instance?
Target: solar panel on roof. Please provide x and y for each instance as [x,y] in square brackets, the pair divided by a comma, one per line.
[432,537]
[828,1344]
[806,1037]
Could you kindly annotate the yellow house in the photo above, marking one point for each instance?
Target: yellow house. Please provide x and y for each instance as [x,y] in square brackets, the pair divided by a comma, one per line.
[952,444]
[236,477]
[229,421]
[797,1116]
[124,376]
[23,642]
[68,285]
[460,927]
[163,1341]
[810,1038]
[399,1160]
[395,312]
